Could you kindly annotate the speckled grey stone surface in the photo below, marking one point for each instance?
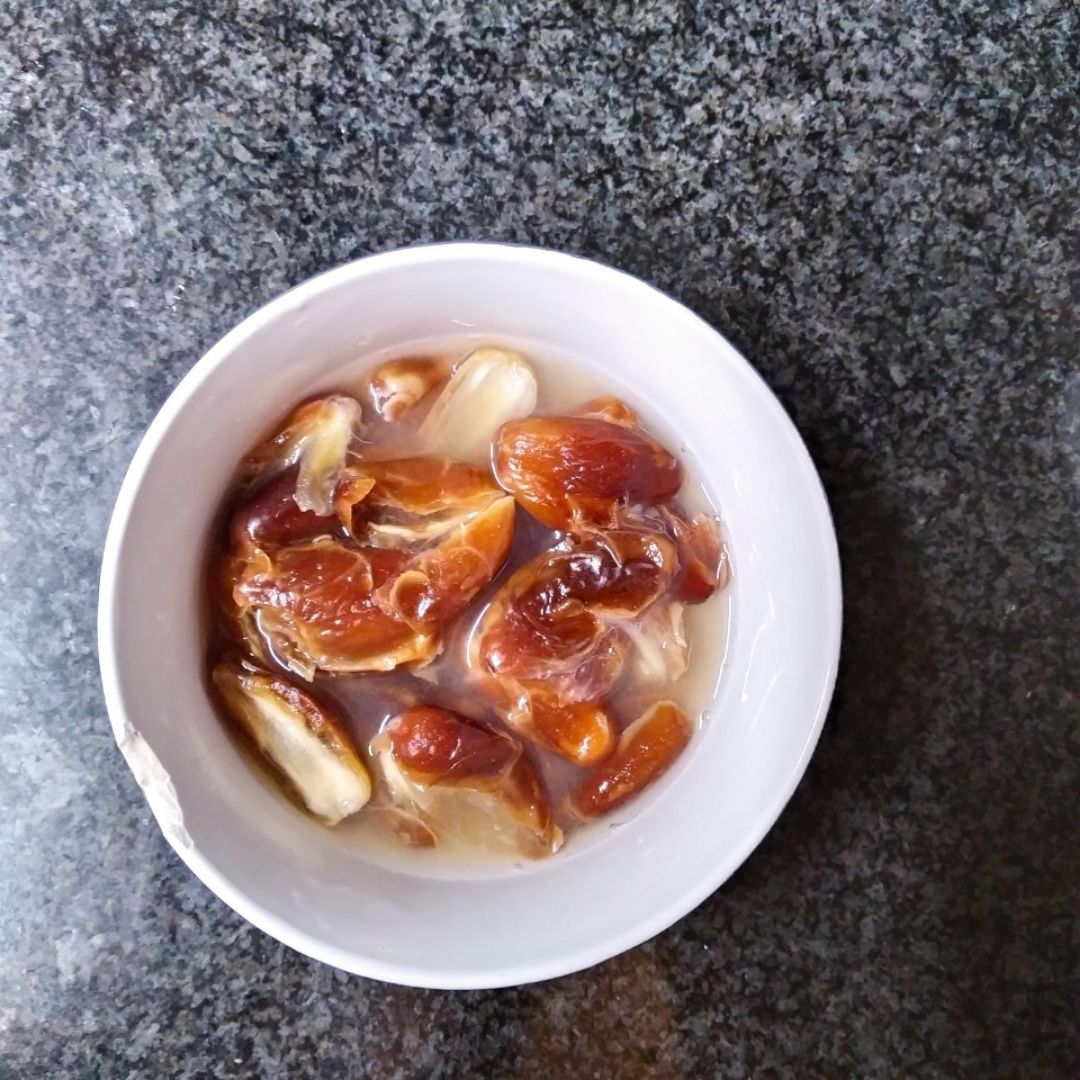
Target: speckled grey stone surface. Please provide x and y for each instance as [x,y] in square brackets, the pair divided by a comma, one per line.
[874,201]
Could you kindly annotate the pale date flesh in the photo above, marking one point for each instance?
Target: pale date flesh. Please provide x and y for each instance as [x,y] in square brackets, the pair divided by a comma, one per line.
[450,779]
[299,736]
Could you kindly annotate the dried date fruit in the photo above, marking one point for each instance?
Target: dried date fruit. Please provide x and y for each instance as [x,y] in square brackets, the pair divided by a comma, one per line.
[441,581]
[582,732]
[397,386]
[571,471]
[703,566]
[315,604]
[316,438]
[557,611]
[463,782]
[323,605]
[300,737]
[646,749]
[354,567]
[703,561]
[270,516]
[552,643]
[410,501]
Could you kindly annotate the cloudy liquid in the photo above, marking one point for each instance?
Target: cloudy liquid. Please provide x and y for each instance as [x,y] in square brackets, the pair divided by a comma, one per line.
[365,702]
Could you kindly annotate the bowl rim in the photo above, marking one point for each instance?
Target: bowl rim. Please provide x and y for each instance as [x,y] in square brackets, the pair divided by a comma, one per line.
[217,881]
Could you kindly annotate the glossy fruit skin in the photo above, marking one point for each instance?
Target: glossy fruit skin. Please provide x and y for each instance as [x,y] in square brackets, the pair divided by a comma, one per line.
[449,757]
[404,546]
[316,603]
[572,470]
[337,606]
[647,748]
[436,745]
[703,564]
[270,516]
[550,648]
[596,469]
[399,385]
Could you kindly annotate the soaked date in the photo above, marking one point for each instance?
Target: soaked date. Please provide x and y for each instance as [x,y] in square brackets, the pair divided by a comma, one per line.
[647,748]
[461,781]
[575,470]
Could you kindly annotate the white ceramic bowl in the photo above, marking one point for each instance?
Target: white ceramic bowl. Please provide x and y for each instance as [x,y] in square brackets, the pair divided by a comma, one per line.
[297,880]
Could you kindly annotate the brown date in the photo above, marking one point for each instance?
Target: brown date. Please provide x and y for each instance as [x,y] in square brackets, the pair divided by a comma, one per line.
[556,611]
[328,606]
[456,778]
[571,471]
[315,603]
[316,438]
[271,517]
[551,646]
[582,732]
[442,580]
[703,565]
[437,745]
[399,385]
[646,749]
[407,545]
[428,485]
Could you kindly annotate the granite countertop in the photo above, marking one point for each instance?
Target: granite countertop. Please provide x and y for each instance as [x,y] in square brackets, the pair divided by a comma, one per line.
[873,201]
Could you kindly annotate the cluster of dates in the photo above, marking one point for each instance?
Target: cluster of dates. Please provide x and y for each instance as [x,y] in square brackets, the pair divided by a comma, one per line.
[336,564]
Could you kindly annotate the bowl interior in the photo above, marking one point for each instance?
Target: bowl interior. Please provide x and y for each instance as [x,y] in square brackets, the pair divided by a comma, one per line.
[299,881]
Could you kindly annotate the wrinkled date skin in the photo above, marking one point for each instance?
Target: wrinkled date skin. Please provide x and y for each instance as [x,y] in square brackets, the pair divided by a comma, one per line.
[647,748]
[399,385]
[434,753]
[271,516]
[419,494]
[549,647]
[703,568]
[597,469]
[316,604]
[572,470]
[702,562]
[437,745]
[335,607]
[367,586]
[554,642]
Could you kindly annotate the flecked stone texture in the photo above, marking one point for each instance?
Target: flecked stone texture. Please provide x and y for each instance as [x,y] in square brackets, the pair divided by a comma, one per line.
[875,202]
